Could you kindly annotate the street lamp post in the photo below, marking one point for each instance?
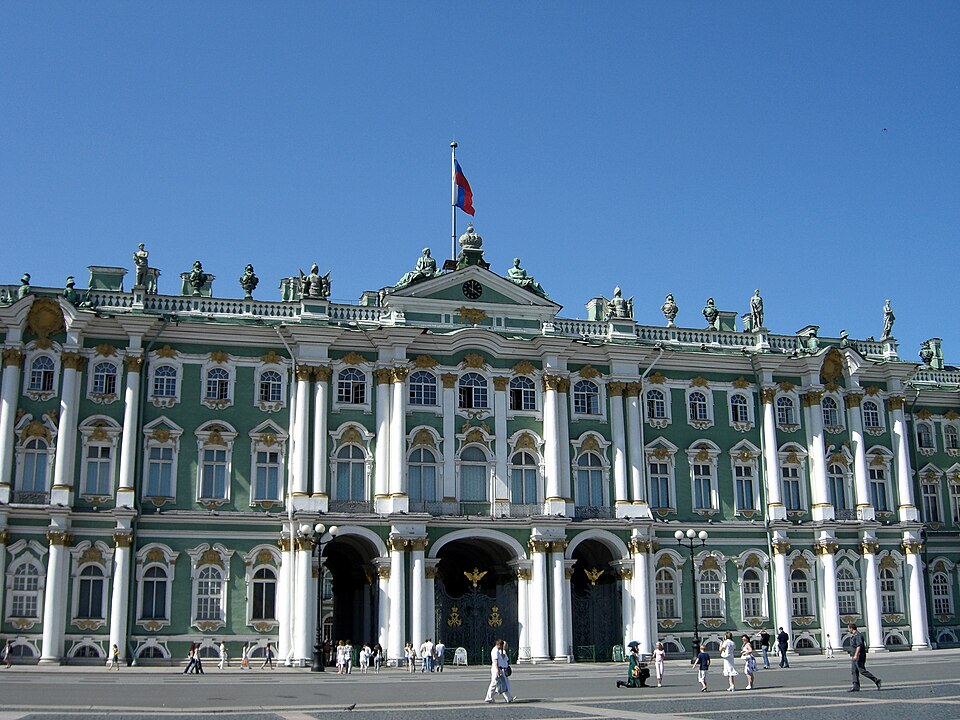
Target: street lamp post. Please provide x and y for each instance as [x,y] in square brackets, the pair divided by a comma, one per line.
[689,540]
[321,538]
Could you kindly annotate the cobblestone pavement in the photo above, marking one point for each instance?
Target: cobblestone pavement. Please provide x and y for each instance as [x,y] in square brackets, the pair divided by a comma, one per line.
[916,686]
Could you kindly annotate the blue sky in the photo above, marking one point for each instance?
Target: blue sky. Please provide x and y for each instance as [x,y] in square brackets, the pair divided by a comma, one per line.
[703,149]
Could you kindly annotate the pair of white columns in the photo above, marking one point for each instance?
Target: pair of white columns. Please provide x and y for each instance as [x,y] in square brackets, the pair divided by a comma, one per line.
[300,437]
[625,434]
[390,492]
[548,602]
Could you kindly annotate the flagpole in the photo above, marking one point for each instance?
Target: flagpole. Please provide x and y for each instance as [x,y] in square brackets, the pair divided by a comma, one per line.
[453,199]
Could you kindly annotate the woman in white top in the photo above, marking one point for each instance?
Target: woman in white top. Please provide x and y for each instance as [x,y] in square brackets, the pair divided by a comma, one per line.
[749,661]
[499,665]
[727,650]
[659,655]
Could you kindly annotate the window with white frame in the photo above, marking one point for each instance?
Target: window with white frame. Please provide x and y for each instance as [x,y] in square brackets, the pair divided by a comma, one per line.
[656,405]
[474,474]
[786,411]
[351,387]
[661,486]
[104,379]
[423,388]
[698,407]
[831,412]
[925,436]
[751,592]
[790,487]
[26,592]
[739,409]
[837,486]
[34,470]
[524,478]
[218,384]
[91,590]
[951,437]
[267,473]
[165,380]
[930,497]
[264,595]
[422,472]
[955,502]
[710,593]
[589,480]
[270,387]
[473,392]
[214,471]
[800,594]
[871,415]
[42,374]
[586,398]
[666,588]
[942,594]
[703,480]
[889,596]
[154,593]
[97,470]
[877,482]
[350,474]
[746,487]
[208,594]
[523,393]
[848,601]
[160,471]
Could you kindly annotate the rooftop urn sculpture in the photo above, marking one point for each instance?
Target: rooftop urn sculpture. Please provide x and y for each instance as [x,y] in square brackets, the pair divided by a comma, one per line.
[926,353]
[711,315]
[670,310]
[425,269]
[198,278]
[888,318]
[617,307]
[248,281]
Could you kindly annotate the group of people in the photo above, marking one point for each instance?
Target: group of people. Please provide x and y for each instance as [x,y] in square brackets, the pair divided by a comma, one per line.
[429,653]
[195,661]
[367,656]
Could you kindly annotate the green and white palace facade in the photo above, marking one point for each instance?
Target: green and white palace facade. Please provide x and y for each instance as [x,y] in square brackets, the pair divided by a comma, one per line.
[492,469]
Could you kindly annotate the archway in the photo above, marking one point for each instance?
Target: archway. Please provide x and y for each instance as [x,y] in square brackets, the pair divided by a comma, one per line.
[349,603]
[476,597]
[596,602]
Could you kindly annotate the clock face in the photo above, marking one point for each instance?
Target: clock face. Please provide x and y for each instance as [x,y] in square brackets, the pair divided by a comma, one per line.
[472,289]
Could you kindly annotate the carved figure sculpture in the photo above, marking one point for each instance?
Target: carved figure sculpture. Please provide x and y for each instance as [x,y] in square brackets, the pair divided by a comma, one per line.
[926,352]
[248,281]
[24,288]
[519,276]
[314,285]
[425,269]
[712,315]
[756,311]
[617,307]
[69,293]
[670,310]
[140,263]
[198,278]
[888,318]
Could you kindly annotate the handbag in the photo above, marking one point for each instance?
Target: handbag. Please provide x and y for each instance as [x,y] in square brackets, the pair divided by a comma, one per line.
[509,671]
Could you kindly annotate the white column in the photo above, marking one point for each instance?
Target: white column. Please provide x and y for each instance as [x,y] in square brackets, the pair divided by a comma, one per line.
[865,509]
[771,460]
[398,478]
[830,612]
[563,439]
[301,431]
[418,592]
[382,452]
[449,436]
[615,390]
[821,507]
[523,610]
[119,591]
[918,598]
[634,444]
[781,582]
[285,595]
[502,481]
[12,360]
[539,627]
[65,460]
[430,603]
[55,597]
[320,426]
[398,604]
[901,448]
[126,495]
[555,502]
[383,605]
[4,539]
[871,595]
[305,607]
[627,604]
[641,595]
[561,601]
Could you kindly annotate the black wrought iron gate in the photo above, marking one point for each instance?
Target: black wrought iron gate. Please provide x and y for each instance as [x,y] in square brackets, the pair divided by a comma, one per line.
[597,620]
[476,619]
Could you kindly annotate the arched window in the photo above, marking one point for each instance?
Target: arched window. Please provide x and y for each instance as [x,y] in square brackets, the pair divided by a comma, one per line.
[523,394]
[656,405]
[942,594]
[524,479]
[667,606]
[264,595]
[871,414]
[473,392]
[351,387]
[924,436]
[218,384]
[423,388]
[90,594]
[165,381]
[350,475]
[837,486]
[698,407]
[25,599]
[751,591]
[586,398]
[711,599]
[889,598]
[831,413]
[951,439]
[105,378]
[847,600]
[87,651]
[151,652]
[153,594]
[589,480]
[800,593]
[271,387]
[738,409]
[209,594]
[422,475]
[36,466]
[41,374]
[474,474]
[786,411]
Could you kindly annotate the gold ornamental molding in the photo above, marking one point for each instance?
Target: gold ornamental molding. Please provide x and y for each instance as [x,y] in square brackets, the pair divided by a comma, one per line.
[424,438]
[869,547]
[418,544]
[134,363]
[523,573]
[12,357]
[625,573]
[322,373]
[399,374]
[303,373]
[45,318]
[449,380]
[589,372]
[741,383]
[563,387]
[500,383]
[353,358]
[454,620]
[853,400]
[700,381]
[351,435]
[811,398]
[911,547]
[526,442]
[638,546]
[91,555]
[832,387]
[538,546]
[430,573]
[271,358]
[4,537]
[495,620]
[787,386]
[382,376]
[895,403]
[122,540]
[826,547]
[220,357]
[474,316]
[768,395]
[425,362]
[657,378]
[593,574]
[167,352]
[551,382]
[59,537]
[924,414]
[210,557]
[383,573]
[524,367]
[615,388]
[105,350]
[633,390]
[264,557]
[474,361]
[304,543]
[780,547]
[476,576]
[35,428]
[567,573]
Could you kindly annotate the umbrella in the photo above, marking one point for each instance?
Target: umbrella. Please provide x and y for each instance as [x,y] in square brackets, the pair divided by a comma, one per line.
[633,643]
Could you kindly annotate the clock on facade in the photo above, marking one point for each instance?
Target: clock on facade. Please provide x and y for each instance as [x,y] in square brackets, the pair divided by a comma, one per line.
[472,289]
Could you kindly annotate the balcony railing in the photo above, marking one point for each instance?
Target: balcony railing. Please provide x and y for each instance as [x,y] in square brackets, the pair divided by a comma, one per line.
[350,506]
[29,497]
[593,512]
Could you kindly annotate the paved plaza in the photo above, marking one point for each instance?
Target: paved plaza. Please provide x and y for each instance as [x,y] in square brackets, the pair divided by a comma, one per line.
[918,686]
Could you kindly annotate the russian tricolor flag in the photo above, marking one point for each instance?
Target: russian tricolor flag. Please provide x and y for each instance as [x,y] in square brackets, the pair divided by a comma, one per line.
[464,193]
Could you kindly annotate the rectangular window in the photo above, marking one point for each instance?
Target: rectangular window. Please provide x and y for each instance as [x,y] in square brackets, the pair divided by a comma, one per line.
[160,472]
[90,600]
[790,478]
[267,485]
[423,482]
[98,481]
[878,489]
[659,486]
[955,503]
[702,487]
[213,478]
[931,504]
[473,482]
[744,480]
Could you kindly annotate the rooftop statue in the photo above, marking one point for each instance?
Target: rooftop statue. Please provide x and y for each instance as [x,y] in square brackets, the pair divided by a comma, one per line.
[617,307]
[518,275]
[670,310]
[425,269]
[314,286]
[140,263]
[756,311]
[24,288]
[69,291]
[888,318]
[248,281]
[198,278]
[926,352]
[712,315]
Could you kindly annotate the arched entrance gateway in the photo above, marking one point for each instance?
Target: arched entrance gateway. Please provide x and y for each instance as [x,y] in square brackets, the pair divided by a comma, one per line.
[476,597]
[350,598]
[596,602]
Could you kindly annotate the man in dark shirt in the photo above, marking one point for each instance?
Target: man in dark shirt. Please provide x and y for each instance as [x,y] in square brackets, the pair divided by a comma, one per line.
[782,640]
[858,648]
[765,648]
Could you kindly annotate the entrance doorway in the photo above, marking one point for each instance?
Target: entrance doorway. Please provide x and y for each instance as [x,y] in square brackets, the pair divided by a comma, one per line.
[349,605]
[596,603]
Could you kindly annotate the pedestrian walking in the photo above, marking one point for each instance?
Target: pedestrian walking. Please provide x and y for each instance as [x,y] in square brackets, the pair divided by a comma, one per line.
[727,649]
[426,652]
[749,661]
[659,660]
[410,657]
[198,662]
[348,657]
[438,650]
[8,654]
[828,651]
[858,649]
[224,660]
[782,641]
[114,661]
[267,656]
[377,657]
[702,663]
[366,652]
[191,658]
[499,674]
[245,657]
[765,648]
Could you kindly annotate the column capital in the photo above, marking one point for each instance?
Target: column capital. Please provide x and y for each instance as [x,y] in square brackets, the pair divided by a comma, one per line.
[283,542]
[303,373]
[538,545]
[449,380]
[825,547]
[852,400]
[563,386]
[869,547]
[558,546]
[895,403]
[134,363]
[399,374]
[780,547]
[383,572]
[633,389]
[418,544]
[398,544]
[4,537]
[430,572]
[551,382]
[12,357]
[911,547]
[383,376]
[500,383]
[523,573]
[322,373]
[625,573]
[768,395]
[640,546]
[811,398]
[72,361]
[122,539]
[59,537]
[567,573]
[304,542]
[616,388]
